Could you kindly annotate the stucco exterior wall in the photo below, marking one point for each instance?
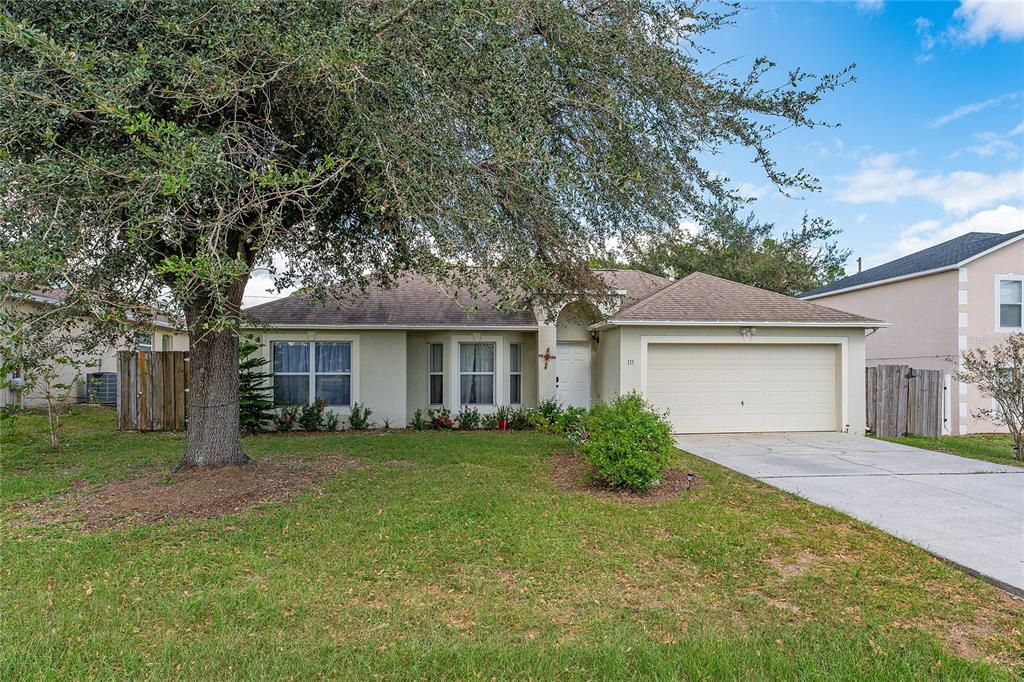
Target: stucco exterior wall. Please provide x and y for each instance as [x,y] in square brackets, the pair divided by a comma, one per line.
[922,312]
[606,387]
[378,367]
[850,360]
[978,326]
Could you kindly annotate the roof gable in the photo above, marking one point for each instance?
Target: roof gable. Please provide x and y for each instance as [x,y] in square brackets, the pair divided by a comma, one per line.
[948,254]
[700,297]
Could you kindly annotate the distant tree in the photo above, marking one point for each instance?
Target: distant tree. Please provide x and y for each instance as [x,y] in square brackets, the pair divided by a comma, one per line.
[255,406]
[998,373]
[161,150]
[743,249]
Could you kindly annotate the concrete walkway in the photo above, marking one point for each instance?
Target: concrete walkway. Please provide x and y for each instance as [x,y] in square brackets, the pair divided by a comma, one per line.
[963,510]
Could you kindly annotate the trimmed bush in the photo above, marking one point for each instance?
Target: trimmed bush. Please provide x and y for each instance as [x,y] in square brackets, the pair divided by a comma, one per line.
[628,442]
[359,417]
[468,419]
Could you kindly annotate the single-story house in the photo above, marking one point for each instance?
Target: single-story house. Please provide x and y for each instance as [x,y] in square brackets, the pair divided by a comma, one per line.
[965,293]
[101,365]
[716,355]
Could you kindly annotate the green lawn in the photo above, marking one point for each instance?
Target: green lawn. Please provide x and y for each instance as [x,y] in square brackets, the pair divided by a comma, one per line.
[468,563]
[991,447]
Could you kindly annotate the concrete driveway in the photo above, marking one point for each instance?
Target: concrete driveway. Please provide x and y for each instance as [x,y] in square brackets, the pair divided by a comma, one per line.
[963,510]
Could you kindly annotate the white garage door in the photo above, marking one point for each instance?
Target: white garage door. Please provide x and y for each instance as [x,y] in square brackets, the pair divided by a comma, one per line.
[744,388]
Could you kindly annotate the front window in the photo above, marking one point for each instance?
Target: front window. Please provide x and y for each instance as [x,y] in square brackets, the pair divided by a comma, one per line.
[145,342]
[304,372]
[476,373]
[435,369]
[515,373]
[1011,303]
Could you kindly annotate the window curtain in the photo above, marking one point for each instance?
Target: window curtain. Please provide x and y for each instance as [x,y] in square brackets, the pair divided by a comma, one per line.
[477,389]
[477,357]
[291,356]
[333,356]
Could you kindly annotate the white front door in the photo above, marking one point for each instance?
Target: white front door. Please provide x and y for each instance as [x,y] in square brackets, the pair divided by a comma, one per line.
[572,374]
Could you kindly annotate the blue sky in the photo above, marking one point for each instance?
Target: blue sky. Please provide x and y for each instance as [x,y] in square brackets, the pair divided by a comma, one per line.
[931,135]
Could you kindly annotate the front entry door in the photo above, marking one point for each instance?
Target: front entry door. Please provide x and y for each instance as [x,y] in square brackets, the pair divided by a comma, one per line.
[572,379]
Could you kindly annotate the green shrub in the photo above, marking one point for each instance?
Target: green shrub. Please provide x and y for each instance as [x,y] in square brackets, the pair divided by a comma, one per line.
[518,420]
[548,409]
[570,422]
[285,418]
[311,417]
[255,403]
[440,419]
[359,417]
[469,418]
[489,421]
[330,421]
[419,420]
[628,442]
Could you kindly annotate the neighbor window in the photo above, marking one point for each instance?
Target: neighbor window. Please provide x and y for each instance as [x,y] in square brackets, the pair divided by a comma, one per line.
[166,343]
[476,373]
[305,371]
[435,369]
[1011,303]
[515,373]
[145,342]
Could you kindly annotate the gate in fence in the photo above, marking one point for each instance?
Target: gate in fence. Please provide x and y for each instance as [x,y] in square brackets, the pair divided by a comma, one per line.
[152,390]
[902,400]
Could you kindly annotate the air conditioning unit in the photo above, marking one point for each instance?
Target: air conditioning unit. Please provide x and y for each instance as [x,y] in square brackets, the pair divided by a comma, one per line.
[101,387]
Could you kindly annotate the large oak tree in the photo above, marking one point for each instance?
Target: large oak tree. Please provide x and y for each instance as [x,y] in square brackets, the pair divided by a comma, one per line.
[157,151]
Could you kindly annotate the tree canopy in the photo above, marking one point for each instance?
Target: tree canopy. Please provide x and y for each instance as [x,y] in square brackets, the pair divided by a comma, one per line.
[154,152]
[742,248]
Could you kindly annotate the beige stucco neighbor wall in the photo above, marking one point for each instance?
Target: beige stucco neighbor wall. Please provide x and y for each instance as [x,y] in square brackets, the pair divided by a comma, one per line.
[417,396]
[608,368]
[378,367]
[977,325]
[922,312]
[850,359]
[103,360]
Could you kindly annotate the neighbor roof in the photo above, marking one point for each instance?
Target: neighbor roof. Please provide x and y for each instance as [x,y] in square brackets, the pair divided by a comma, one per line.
[703,298]
[947,255]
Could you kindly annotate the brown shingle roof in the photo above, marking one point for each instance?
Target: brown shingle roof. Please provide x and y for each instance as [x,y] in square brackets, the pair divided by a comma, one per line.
[415,301]
[637,284]
[699,297]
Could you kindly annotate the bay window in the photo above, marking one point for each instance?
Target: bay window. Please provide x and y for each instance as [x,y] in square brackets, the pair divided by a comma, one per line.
[515,373]
[305,371]
[435,372]
[476,373]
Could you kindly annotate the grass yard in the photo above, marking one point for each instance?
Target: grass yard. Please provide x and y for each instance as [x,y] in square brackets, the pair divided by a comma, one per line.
[463,562]
[991,447]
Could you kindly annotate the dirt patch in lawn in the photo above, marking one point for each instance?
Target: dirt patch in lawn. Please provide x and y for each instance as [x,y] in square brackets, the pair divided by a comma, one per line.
[573,474]
[187,494]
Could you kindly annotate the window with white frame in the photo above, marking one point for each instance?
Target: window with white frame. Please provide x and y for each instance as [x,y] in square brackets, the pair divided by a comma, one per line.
[476,373]
[306,371]
[166,343]
[145,342]
[435,371]
[1011,302]
[515,373]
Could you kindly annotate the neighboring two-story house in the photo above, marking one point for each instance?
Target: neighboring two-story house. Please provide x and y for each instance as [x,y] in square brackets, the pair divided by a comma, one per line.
[965,293]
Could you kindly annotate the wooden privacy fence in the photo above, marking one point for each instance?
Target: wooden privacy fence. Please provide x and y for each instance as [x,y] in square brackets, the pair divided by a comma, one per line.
[902,400]
[152,392]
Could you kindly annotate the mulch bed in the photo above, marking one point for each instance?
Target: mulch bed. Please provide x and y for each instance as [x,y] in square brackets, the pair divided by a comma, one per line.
[573,474]
[187,494]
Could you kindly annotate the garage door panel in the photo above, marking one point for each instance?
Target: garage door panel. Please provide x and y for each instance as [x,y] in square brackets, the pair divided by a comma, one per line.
[737,388]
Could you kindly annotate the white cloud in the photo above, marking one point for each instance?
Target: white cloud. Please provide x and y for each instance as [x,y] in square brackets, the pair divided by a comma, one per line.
[972,108]
[882,180]
[924,32]
[990,144]
[749,190]
[925,233]
[980,20]
[1019,130]
[870,5]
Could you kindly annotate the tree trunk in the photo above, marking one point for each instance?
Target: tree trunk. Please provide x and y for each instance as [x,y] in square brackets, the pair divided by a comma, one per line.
[213,437]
